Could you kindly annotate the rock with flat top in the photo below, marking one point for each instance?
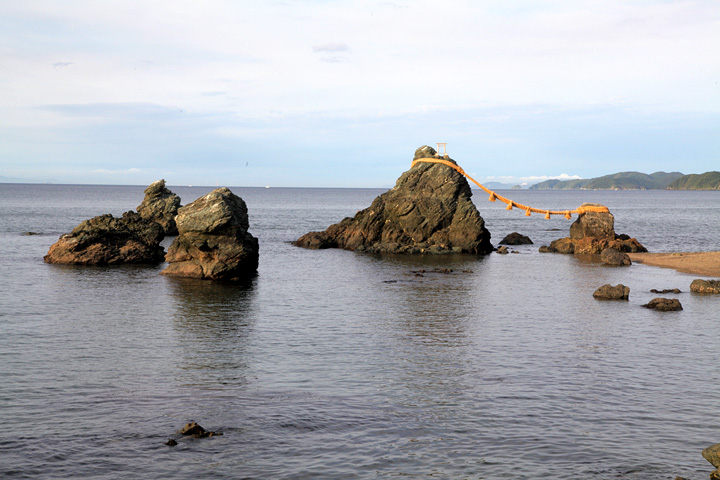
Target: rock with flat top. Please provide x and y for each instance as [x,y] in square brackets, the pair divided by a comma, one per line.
[593,232]
[428,211]
[610,292]
[108,240]
[213,241]
[664,304]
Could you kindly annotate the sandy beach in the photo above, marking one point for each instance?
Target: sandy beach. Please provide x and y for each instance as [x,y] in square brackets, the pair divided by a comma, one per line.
[700,263]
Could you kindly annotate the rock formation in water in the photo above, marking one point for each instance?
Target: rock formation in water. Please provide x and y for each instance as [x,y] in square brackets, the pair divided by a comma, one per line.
[664,304]
[712,455]
[106,240]
[705,286]
[610,292]
[516,238]
[428,211]
[610,256]
[594,232]
[160,205]
[213,241]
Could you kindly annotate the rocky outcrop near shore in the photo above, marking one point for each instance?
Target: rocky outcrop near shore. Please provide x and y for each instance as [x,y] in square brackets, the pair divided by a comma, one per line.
[106,240]
[612,292]
[664,304]
[213,241]
[160,205]
[428,211]
[705,286]
[593,232]
[516,238]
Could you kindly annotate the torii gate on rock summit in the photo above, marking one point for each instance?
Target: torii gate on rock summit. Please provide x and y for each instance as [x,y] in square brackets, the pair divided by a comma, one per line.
[494,196]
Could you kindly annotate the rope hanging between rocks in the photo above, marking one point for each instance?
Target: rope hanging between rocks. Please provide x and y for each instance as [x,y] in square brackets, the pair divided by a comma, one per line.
[510,204]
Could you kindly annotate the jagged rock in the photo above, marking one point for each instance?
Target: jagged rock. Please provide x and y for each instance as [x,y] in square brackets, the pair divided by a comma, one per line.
[106,240]
[705,286]
[213,241]
[516,238]
[160,205]
[503,250]
[428,211]
[593,232]
[610,256]
[610,292]
[666,290]
[664,304]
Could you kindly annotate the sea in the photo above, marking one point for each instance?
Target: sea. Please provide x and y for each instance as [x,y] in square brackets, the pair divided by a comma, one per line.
[332,364]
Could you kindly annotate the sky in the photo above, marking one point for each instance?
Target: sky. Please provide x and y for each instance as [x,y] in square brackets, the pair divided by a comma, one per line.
[340,93]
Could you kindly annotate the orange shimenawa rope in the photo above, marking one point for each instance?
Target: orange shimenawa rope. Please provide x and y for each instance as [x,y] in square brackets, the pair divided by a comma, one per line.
[510,204]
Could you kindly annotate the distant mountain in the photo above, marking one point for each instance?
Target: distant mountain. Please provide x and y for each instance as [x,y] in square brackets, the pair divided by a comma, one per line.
[615,181]
[703,181]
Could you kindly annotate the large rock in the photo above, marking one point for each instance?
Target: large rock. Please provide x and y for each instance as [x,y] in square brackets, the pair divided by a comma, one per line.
[106,240]
[610,292]
[213,241]
[428,211]
[593,224]
[705,286]
[593,232]
[160,205]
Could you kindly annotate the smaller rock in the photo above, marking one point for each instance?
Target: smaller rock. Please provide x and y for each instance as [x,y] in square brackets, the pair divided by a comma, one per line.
[544,249]
[30,234]
[666,290]
[610,256]
[171,443]
[664,304]
[609,292]
[192,428]
[705,286]
[502,250]
[195,430]
[516,238]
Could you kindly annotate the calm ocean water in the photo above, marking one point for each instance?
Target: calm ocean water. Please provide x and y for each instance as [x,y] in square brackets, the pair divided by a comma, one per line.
[334,364]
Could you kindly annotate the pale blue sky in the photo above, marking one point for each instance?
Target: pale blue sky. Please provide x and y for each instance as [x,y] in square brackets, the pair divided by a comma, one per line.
[340,93]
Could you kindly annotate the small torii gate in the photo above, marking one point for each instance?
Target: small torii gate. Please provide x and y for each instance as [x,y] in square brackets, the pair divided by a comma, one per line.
[442,149]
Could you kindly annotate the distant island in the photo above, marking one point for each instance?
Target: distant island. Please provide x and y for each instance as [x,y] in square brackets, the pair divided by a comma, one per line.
[637,181]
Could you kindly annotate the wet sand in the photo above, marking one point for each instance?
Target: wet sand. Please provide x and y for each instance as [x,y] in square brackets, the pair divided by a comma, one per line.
[699,263]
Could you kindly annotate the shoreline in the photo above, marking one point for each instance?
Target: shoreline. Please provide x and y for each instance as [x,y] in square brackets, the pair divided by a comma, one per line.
[698,263]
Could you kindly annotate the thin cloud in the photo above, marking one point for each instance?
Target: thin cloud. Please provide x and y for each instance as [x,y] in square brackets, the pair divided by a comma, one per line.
[58,65]
[331,47]
[332,52]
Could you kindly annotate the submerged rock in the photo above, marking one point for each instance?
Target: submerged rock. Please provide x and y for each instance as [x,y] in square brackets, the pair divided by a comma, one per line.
[106,240]
[705,286]
[610,292]
[665,290]
[664,304]
[213,241]
[516,238]
[593,232]
[160,205]
[428,211]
